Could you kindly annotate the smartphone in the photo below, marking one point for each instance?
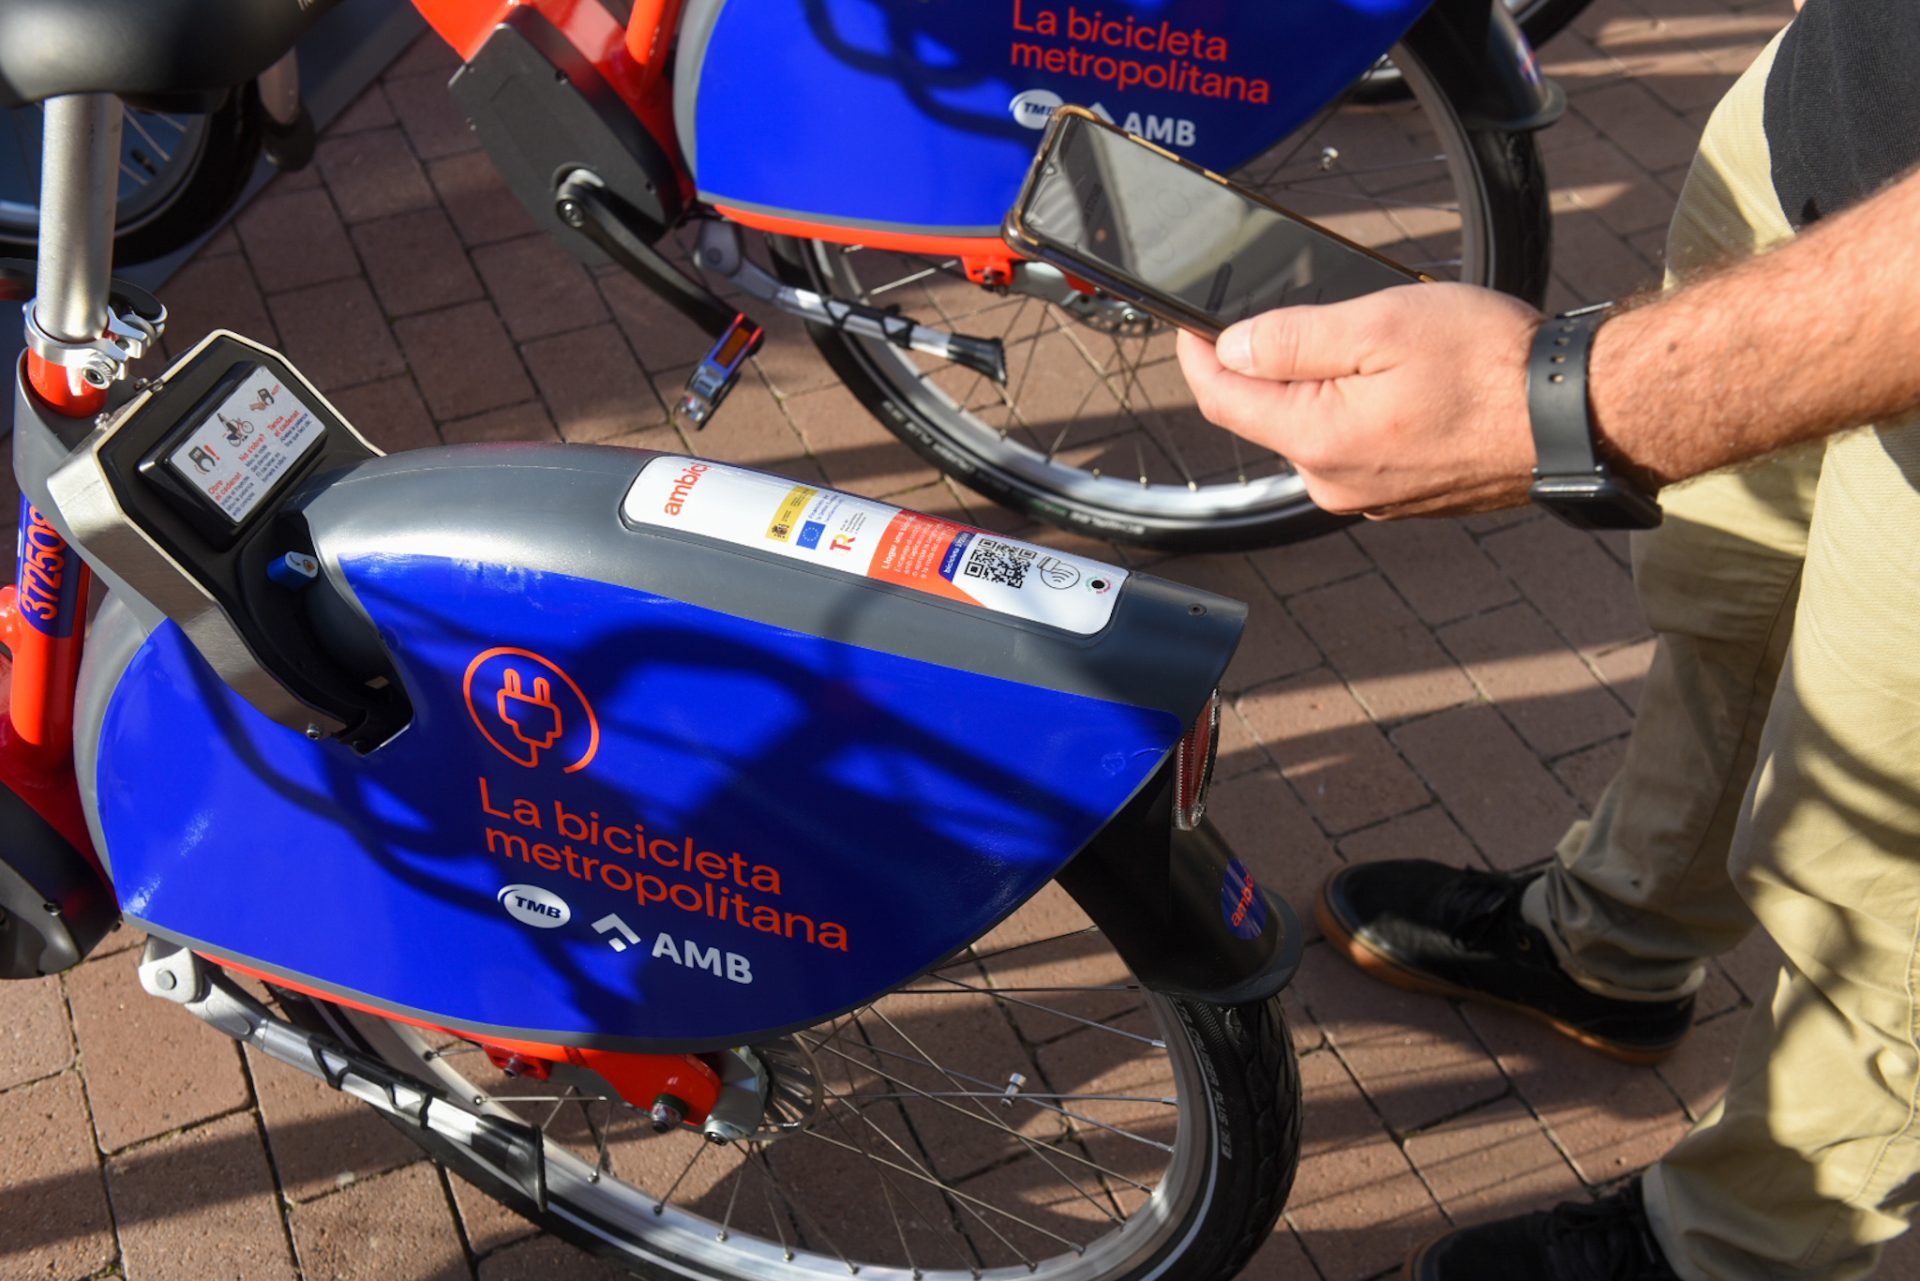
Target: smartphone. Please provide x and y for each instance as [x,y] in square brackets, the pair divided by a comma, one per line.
[1179,241]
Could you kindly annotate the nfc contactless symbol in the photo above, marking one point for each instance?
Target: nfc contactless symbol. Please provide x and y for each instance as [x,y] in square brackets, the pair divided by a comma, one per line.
[529,708]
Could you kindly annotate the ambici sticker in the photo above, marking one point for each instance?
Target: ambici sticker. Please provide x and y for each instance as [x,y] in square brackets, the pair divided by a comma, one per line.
[874,540]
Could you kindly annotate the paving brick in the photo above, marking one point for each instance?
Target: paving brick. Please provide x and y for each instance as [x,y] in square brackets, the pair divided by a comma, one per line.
[373,174]
[1238,751]
[1426,833]
[851,446]
[1647,129]
[200,1206]
[1282,1258]
[35,1040]
[1597,177]
[539,287]
[1575,585]
[486,1223]
[1272,646]
[1357,1204]
[370,110]
[1754,966]
[1270,831]
[1625,670]
[544,1260]
[1411,1054]
[1699,1070]
[414,261]
[427,54]
[322,1139]
[1493,1163]
[214,293]
[478,200]
[1609,1118]
[515,422]
[1498,791]
[1299,567]
[295,240]
[151,1067]
[389,413]
[56,1223]
[592,384]
[1436,567]
[1539,684]
[1586,774]
[336,335]
[426,110]
[662,337]
[399,1225]
[1390,659]
[1341,764]
[788,359]
[1595,263]
[750,429]
[463,360]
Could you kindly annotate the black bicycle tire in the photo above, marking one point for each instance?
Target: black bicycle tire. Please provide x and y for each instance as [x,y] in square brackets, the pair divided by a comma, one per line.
[219,174]
[1254,1092]
[1507,165]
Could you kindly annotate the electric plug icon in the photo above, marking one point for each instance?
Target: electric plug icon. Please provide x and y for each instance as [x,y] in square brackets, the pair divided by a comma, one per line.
[534,718]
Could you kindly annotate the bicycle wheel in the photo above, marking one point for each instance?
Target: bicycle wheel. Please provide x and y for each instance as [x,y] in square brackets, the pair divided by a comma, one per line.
[179,174]
[1095,429]
[1024,1110]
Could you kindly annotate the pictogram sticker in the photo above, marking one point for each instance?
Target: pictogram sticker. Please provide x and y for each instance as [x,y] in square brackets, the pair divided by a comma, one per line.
[530,710]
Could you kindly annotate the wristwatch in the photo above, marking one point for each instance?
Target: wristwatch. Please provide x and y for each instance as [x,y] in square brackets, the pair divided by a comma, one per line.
[1569,479]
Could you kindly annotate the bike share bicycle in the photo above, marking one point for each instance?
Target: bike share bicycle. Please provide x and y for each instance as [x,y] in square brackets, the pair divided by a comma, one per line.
[666,847]
[694,128]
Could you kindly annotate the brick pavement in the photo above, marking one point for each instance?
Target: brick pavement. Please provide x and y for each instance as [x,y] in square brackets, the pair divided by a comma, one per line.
[1459,689]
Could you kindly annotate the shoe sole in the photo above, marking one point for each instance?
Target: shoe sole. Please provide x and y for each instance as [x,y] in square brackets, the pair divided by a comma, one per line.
[1379,965]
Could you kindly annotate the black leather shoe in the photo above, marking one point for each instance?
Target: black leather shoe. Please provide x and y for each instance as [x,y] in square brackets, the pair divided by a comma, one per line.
[1427,927]
[1605,1240]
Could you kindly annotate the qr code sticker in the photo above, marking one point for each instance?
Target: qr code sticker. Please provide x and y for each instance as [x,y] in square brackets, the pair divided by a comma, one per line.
[998,562]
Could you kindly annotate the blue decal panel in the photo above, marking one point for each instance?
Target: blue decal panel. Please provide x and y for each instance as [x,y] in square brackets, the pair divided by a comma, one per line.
[924,114]
[615,814]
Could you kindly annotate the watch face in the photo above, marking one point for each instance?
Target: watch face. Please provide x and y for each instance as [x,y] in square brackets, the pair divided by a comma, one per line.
[1595,502]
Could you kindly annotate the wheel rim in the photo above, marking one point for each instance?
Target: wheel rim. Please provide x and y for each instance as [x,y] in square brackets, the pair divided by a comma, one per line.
[1104,423]
[914,1167]
[158,154]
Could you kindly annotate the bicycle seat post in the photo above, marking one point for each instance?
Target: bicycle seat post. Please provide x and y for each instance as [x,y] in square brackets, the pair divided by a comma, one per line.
[79,189]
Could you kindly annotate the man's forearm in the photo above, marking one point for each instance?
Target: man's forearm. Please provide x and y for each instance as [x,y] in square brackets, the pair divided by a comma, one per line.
[1817,336]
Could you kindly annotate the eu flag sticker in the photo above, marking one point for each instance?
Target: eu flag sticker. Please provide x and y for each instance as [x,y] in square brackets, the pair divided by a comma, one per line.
[810,534]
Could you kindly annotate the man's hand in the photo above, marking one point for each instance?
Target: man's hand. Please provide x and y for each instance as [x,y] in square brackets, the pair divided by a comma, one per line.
[1411,401]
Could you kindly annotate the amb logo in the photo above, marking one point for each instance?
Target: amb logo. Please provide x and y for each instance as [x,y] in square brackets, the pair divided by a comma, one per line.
[530,709]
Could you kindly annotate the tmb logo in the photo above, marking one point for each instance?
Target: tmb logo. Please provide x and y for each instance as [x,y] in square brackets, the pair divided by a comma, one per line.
[527,707]
[531,905]
[1034,107]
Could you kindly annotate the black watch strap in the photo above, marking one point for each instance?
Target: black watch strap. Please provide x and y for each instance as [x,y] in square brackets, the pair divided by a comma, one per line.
[1570,480]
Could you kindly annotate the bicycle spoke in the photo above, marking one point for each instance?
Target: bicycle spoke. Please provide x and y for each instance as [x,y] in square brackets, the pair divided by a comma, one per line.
[1048,1009]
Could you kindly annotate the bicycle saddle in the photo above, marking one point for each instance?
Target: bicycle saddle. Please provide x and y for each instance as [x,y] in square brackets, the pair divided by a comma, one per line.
[171,54]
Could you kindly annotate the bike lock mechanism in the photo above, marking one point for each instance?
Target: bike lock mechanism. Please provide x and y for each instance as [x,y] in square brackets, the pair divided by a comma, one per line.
[585,205]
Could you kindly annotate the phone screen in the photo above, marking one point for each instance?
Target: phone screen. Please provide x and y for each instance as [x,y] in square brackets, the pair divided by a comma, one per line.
[1142,217]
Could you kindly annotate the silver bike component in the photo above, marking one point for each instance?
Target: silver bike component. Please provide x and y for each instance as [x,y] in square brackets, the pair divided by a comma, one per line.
[67,322]
[719,252]
[97,362]
[172,973]
[744,1087]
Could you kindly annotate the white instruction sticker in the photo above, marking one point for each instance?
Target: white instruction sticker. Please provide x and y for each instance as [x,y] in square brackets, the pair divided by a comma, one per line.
[253,438]
[875,540]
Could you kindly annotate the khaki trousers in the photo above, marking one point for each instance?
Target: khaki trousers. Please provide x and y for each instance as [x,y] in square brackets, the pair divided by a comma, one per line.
[1773,777]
